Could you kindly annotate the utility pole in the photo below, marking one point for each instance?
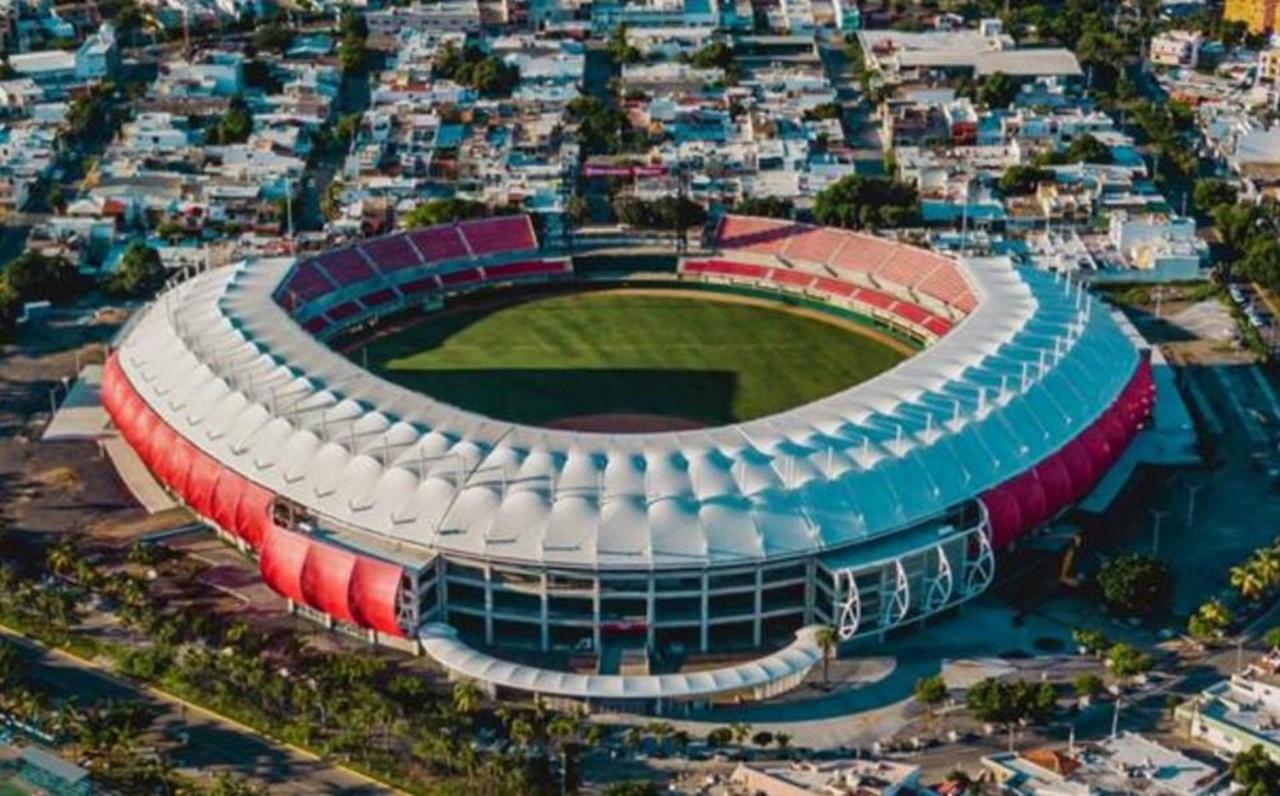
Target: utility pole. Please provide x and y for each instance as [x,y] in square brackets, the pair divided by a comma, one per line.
[1191,502]
[1115,718]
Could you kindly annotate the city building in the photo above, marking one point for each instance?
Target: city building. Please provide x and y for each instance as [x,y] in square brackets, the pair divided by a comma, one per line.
[853,777]
[1239,712]
[1258,15]
[1176,48]
[1125,763]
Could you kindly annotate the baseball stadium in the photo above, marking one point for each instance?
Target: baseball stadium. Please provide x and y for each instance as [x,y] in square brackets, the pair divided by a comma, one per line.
[618,478]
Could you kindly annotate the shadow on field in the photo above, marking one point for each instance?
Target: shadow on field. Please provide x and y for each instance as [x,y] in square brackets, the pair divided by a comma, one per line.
[543,395]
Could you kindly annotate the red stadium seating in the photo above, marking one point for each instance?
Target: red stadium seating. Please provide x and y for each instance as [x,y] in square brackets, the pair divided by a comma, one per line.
[305,283]
[911,313]
[834,286]
[342,311]
[498,235]
[938,326]
[908,266]
[874,298]
[461,277]
[945,284]
[391,253]
[797,279]
[524,268]
[758,235]
[439,244]
[725,268]
[863,253]
[814,244]
[378,297]
[425,284]
[316,325]
[345,266]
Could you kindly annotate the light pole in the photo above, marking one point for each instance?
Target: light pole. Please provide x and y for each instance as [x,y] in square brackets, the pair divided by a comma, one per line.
[1157,516]
[1191,502]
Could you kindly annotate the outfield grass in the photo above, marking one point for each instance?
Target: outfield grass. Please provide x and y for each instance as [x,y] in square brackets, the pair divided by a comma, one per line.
[708,360]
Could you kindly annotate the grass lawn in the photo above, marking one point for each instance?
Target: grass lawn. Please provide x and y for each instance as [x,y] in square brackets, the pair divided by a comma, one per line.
[569,355]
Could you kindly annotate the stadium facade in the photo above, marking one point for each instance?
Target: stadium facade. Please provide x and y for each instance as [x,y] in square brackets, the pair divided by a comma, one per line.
[384,513]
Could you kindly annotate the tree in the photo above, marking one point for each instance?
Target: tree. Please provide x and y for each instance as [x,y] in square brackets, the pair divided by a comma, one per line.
[931,691]
[1020,180]
[1209,620]
[765,206]
[1091,640]
[1255,772]
[741,732]
[234,126]
[34,277]
[762,739]
[443,211]
[1087,685]
[620,50]
[273,37]
[140,272]
[1271,638]
[1136,585]
[489,75]
[860,202]
[1125,660]
[1210,193]
[466,697]
[1001,702]
[634,787]
[828,641]
[720,736]
[998,90]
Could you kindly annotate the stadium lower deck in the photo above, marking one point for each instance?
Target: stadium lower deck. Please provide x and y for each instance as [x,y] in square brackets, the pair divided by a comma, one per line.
[393,517]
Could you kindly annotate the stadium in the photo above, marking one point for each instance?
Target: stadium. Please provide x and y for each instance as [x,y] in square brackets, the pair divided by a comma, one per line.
[526,553]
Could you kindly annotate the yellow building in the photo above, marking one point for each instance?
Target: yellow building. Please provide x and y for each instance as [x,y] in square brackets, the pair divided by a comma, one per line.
[1258,15]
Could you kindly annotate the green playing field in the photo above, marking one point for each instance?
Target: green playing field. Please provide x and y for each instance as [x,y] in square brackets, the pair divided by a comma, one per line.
[709,360]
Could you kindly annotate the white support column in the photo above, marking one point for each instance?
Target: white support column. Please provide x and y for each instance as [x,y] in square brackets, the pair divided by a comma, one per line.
[650,611]
[545,625]
[595,613]
[704,642]
[488,604]
[757,623]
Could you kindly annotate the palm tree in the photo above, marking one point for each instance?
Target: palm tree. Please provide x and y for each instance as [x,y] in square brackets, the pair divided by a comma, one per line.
[61,557]
[827,640]
[1246,580]
[521,733]
[633,739]
[661,730]
[783,742]
[680,741]
[466,697]
[1266,563]
[595,734]
[741,732]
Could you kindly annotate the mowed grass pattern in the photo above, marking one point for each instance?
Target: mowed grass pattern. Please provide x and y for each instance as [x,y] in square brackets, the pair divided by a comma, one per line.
[706,360]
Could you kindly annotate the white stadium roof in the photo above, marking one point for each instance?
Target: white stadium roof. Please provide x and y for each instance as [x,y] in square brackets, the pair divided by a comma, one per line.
[1025,373]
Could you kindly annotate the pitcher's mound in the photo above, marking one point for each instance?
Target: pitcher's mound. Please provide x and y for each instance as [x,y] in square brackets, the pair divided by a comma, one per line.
[625,423]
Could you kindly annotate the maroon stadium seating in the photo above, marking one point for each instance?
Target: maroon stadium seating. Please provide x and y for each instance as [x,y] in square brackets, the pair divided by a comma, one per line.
[498,235]
[391,253]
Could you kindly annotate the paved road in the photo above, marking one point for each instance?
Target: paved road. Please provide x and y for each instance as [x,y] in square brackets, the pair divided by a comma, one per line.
[214,745]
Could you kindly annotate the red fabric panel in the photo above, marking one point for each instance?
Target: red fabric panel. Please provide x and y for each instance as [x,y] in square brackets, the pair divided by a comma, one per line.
[178,464]
[161,442]
[1118,435]
[1080,466]
[226,501]
[282,557]
[375,586]
[1031,499]
[253,515]
[1095,441]
[202,483]
[326,580]
[1005,516]
[145,428]
[1056,482]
